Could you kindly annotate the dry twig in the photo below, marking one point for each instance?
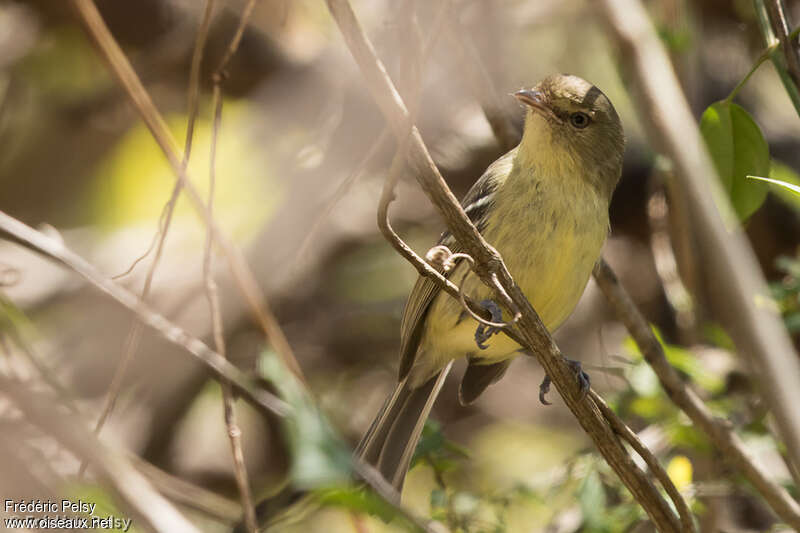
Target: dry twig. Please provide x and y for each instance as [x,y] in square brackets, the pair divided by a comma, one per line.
[631,438]
[188,494]
[233,429]
[489,263]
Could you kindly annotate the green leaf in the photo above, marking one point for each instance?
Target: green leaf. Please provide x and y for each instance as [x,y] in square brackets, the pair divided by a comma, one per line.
[592,498]
[738,149]
[359,500]
[644,381]
[438,498]
[319,456]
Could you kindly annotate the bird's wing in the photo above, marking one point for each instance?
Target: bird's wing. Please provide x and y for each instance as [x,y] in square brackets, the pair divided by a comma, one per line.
[477,377]
[476,204]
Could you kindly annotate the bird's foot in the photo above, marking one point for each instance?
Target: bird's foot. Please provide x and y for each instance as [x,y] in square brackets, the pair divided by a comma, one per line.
[583,381]
[484,332]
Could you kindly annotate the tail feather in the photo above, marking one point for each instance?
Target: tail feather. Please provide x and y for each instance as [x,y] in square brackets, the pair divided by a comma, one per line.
[390,442]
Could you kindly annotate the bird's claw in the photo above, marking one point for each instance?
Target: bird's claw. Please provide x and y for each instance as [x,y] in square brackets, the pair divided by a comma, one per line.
[583,381]
[544,388]
[484,332]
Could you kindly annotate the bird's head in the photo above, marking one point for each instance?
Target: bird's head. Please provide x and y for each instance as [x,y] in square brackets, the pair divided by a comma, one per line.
[571,122]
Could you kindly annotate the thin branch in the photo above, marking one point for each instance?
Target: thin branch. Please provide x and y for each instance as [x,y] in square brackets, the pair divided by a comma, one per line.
[188,494]
[340,192]
[175,489]
[134,335]
[728,444]
[780,26]
[150,509]
[481,81]
[222,369]
[488,262]
[387,492]
[233,429]
[770,29]
[18,337]
[246,281]
[661,247]
[658,471]
[759,333]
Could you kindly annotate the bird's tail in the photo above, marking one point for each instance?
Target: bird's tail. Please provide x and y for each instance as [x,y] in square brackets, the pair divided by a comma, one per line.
[389,443]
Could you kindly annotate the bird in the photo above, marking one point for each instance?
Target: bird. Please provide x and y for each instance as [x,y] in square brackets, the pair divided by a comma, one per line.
[544,206]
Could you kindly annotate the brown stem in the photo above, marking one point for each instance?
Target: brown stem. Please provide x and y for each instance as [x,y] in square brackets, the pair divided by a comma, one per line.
[780,25]
[658,471]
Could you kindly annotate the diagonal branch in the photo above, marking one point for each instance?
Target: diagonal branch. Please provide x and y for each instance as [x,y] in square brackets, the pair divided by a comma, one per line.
[218,365]
[489,263]
[658,471]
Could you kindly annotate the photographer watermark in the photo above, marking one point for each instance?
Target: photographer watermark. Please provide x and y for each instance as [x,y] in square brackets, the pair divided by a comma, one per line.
[59,514]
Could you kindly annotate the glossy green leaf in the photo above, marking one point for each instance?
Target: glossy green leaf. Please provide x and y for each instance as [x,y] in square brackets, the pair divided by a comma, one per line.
[738,149]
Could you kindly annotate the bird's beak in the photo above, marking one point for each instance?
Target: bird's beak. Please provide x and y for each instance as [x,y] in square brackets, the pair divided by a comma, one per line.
[537,101]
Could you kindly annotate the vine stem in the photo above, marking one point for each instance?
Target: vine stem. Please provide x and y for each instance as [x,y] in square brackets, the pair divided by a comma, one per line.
[766,54]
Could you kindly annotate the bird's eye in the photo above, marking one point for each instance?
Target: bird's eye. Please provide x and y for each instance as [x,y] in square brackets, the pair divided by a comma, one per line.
[579,120]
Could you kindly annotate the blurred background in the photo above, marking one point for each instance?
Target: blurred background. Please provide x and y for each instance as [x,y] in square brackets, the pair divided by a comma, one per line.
[301,160]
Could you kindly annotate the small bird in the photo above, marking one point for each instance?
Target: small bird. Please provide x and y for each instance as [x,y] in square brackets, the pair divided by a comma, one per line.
[544,207]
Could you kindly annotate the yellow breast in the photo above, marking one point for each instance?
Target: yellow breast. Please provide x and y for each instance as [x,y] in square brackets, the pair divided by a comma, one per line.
[549,234]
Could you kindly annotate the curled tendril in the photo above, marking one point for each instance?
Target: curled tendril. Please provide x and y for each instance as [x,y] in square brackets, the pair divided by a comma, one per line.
[444,258]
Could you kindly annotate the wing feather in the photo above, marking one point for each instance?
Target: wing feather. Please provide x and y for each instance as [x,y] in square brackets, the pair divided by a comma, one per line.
[477,203]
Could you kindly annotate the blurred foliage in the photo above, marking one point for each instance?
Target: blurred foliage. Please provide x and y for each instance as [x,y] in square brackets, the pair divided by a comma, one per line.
[83,73]
[319,457]
[136,172]
[105,505]
[787,291]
